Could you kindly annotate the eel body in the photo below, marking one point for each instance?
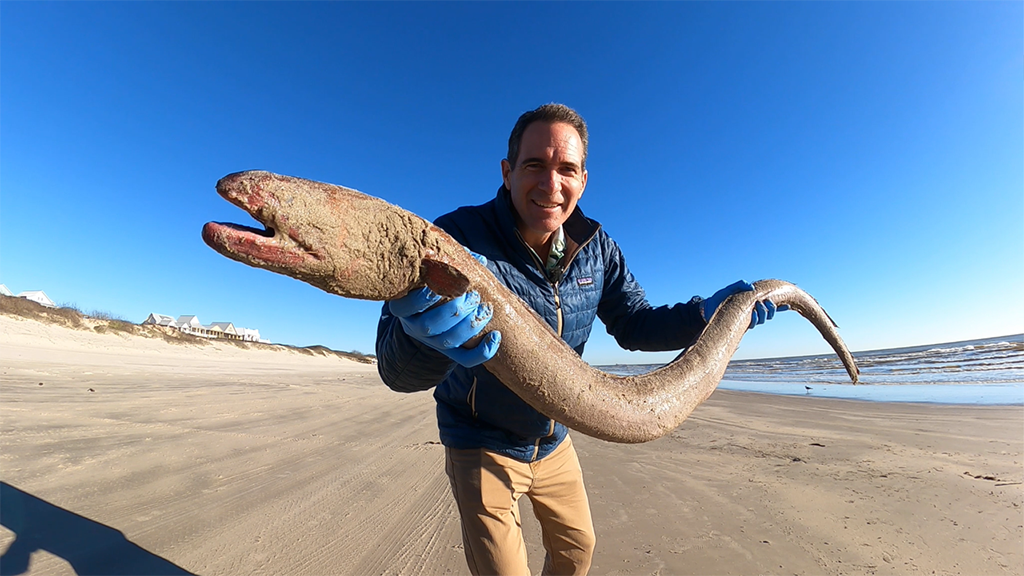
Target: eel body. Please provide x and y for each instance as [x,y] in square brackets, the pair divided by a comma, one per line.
[358,246]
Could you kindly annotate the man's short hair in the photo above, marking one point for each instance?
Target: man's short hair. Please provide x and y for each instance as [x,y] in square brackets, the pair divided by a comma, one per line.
[551,114]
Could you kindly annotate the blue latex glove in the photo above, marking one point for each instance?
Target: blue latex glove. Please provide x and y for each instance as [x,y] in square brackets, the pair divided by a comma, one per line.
[451,324]
[763,310]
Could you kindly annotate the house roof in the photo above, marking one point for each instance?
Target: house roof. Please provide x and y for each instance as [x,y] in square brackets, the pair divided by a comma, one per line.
[160,320]
[227,327]
[37,296]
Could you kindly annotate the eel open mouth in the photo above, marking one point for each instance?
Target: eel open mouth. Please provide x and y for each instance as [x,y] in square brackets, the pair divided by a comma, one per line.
[269,247]
[266,231]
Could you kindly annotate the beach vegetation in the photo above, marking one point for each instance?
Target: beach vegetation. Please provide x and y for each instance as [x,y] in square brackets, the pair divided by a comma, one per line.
[70,306]
[63,315]
[69,315]
[103,315]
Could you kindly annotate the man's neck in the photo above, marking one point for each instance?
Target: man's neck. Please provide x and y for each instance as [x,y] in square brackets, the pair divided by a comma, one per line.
[540,244]
[550,252]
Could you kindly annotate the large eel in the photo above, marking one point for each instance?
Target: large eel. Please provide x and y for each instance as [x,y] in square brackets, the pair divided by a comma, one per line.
[358,246]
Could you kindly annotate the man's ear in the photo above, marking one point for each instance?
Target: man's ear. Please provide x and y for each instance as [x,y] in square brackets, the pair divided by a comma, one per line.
[584,188]
[506,169]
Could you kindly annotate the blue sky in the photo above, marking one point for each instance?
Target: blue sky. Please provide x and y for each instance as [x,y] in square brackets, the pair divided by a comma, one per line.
[872,153]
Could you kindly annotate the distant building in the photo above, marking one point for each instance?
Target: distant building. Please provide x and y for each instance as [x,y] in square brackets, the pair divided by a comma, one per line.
[250,335]
[4,291]
[160,320]
[39,297]
[190,324]
[189,321]
[225,328]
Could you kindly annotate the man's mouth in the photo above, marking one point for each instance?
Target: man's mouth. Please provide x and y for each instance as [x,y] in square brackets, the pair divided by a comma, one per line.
[545,206]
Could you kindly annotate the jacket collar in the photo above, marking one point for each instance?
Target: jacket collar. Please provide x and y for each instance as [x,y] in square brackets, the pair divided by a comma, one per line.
[578,228]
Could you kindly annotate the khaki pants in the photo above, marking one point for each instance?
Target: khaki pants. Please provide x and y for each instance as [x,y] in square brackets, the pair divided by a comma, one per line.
[487,488]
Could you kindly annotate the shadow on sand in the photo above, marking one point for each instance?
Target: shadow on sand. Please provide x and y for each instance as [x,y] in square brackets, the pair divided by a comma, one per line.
[90,547]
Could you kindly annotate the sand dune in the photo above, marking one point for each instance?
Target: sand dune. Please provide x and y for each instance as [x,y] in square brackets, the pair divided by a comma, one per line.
[122,454]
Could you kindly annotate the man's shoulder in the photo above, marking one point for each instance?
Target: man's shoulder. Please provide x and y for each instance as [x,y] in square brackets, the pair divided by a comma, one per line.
[466,214]
[468,222]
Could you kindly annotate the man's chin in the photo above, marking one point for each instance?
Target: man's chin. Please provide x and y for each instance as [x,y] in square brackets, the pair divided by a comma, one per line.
[546,226]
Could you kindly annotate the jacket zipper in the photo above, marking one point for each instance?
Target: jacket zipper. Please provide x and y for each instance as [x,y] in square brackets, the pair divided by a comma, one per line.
[558,310]
[536,445]
[565,268]
[554,285]
[471,397]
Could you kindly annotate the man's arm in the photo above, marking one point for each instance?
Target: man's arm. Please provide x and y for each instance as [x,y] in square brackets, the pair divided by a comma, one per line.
[629,317]
[404,364]
[420,337]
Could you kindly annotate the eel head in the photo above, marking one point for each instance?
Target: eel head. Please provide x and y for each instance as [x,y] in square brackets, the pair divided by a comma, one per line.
[280,246]
[335,238]
[275,246]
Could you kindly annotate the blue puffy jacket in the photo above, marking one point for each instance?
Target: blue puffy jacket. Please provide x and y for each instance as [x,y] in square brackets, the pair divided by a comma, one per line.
[474,409]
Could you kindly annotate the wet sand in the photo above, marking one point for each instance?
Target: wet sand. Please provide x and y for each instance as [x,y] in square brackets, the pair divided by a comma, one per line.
[121,454]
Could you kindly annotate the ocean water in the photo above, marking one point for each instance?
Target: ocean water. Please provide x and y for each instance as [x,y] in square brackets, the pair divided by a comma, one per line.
[986,371]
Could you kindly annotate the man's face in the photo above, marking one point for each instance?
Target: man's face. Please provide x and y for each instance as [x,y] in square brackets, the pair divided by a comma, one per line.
[547,180]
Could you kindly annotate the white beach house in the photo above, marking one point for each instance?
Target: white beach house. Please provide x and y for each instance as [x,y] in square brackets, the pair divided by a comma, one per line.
[190,324]
[251,335]
[39,297]
[223,329]
[160,320]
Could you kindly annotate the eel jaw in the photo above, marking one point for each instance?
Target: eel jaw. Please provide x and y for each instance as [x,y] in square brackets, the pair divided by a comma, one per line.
[269,248]
[255,247]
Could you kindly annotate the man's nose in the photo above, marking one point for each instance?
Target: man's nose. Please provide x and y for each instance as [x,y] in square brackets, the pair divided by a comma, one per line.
[551,181]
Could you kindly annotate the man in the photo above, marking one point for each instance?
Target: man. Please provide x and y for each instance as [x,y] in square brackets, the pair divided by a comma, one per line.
[535,240]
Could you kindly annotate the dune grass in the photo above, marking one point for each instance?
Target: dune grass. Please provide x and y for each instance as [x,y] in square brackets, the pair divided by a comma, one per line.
[70,316]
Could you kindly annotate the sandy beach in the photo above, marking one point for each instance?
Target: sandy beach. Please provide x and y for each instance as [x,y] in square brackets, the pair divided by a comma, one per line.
[130,455]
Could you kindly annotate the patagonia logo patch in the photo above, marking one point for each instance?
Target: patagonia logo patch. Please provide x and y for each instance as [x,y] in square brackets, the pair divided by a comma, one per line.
[585,281]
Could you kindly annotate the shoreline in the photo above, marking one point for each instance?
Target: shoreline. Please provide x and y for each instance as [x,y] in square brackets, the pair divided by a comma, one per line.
[1011,394]
[984,371]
